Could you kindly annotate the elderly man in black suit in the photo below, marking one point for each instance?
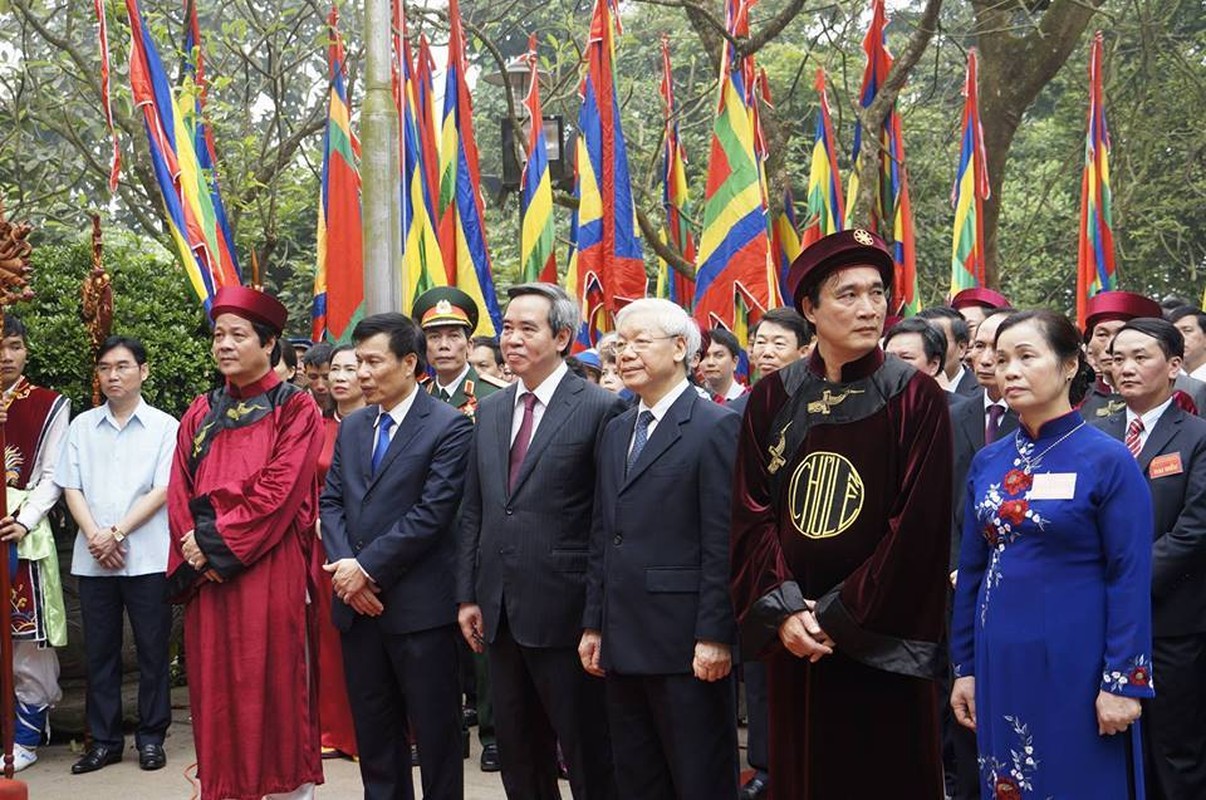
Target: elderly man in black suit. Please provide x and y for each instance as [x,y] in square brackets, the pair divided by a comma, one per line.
[387,526]
[978,420]
[659,622]
[522,552]
[1170,446]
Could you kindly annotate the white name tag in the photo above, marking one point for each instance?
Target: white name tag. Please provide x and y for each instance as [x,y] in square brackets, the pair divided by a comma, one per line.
[1054,486]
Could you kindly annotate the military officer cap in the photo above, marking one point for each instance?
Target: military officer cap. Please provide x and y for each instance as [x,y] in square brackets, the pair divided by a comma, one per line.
[852,248]
[445,305]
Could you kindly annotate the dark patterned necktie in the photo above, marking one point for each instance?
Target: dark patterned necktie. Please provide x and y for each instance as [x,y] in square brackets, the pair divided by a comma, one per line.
[993,425]
[519,447]
[640,439]
[1132,437]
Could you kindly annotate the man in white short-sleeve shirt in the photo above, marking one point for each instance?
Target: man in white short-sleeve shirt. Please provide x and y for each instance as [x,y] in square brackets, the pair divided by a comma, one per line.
[114,473]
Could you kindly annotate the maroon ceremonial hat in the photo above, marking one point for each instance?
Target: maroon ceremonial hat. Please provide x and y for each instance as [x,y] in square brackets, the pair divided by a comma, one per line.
[249,304]
[1109,306]
[852,248]
[980,297]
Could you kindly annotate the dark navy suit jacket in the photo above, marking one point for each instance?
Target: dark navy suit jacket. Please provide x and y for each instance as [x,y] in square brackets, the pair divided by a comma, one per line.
[658,579]
[398,521]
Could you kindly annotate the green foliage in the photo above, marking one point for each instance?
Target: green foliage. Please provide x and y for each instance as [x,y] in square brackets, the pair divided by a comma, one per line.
[152,302]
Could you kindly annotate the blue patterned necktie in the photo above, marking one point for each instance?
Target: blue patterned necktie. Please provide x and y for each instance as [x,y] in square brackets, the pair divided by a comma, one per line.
[640,440]
[384,423]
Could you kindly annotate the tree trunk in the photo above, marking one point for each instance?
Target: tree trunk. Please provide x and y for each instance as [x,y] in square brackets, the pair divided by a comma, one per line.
[1013,70]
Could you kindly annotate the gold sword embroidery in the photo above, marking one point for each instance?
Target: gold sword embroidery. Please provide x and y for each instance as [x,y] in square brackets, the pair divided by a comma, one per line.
[242,410]
[829,400]
[776,452]
[199,439]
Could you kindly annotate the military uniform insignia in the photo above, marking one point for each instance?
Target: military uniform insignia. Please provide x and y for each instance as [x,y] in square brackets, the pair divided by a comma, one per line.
[443,308]
[776,452]
[829,400]
[825,496]
[1111,407]
[862,237]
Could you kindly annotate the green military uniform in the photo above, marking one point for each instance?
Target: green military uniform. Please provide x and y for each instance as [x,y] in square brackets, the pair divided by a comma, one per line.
[440,307]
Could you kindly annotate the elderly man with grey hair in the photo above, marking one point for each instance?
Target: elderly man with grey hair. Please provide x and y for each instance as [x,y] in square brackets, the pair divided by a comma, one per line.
[659,624]
[522,552]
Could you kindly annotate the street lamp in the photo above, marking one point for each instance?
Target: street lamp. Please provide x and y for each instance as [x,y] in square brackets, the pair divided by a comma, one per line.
[517,76]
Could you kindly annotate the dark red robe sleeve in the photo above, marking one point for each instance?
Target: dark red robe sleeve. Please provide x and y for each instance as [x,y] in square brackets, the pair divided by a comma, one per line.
[180,491]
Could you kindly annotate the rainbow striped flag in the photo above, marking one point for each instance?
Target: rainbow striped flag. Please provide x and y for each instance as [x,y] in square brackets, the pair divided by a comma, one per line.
[672,284]
[786,242]
[422,264]
[187,203]
[537,258]
[193,85]
[609,268]
[893,212]
[339,276]
[826,211]
[461,208]
[970,191]
[1095,254]
[736,282]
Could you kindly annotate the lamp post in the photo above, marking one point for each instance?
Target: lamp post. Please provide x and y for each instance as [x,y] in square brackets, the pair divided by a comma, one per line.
[516,79]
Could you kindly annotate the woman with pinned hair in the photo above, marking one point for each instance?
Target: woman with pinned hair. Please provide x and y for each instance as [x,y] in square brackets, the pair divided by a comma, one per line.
[1051,637]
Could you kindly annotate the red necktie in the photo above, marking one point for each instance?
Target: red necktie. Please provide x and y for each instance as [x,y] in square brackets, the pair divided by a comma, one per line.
[519,448]
[1132,437]
[993,425]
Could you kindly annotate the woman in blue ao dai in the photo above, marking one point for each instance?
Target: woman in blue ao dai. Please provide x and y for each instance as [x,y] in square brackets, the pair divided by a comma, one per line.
[1051,637]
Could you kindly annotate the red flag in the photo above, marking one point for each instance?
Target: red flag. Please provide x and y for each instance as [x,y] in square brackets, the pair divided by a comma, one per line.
[106,102]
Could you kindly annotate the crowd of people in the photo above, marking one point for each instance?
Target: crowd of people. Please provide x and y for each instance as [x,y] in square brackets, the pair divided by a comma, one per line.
[948,555]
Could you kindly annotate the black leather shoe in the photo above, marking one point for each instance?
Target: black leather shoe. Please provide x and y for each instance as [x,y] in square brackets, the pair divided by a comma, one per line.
[151,756]
[490,760]
[469,716]
[98,756]
[755,788]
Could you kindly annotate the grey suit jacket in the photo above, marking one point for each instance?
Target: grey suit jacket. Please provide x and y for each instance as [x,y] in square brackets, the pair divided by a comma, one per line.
[527,548]
[1178,485]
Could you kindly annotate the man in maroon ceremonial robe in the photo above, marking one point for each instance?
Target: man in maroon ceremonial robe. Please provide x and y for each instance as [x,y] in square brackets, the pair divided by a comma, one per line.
[241,505]
[841,515]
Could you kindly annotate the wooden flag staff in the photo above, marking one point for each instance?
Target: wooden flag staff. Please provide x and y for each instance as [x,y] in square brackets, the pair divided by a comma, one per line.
[14,286]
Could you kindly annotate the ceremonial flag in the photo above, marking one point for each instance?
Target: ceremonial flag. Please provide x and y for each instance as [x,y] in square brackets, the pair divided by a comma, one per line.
[188,206]
[462,212]
[1095,256]
[970,191]
[422,264]
[610,266]
[106,96]
[735,282]
[785,241]
[892,215]
[339,277]
[826,212]
[426,120]
[672,284]
[536,257]
[194,86]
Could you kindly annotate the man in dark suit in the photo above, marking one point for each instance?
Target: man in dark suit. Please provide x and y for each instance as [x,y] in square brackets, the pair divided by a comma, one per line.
[387,526]
[522,552]
[977,421]
[658,620]
[955,378]
[1170,446]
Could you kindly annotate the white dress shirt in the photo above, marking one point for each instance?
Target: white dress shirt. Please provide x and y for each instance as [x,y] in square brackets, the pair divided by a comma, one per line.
[544,395]
[735,391]
[398,412]
[114,466]
[952,384]
[451,388]
[1149,420]
[658,410]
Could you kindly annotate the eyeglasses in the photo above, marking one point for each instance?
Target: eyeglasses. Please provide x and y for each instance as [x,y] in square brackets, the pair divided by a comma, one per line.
[115,369]
[639,345]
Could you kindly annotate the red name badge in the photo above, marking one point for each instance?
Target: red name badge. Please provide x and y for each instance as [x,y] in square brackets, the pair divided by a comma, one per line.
[1163,466]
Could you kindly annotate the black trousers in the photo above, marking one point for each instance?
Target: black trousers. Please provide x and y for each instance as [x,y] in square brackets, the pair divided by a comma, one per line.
[102,601]
[396,681]
[542,696]
[1173,729]
[677,737]
[758,714]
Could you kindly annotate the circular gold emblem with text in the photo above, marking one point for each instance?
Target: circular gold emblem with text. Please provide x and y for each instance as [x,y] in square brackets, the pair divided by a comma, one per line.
[825,495]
